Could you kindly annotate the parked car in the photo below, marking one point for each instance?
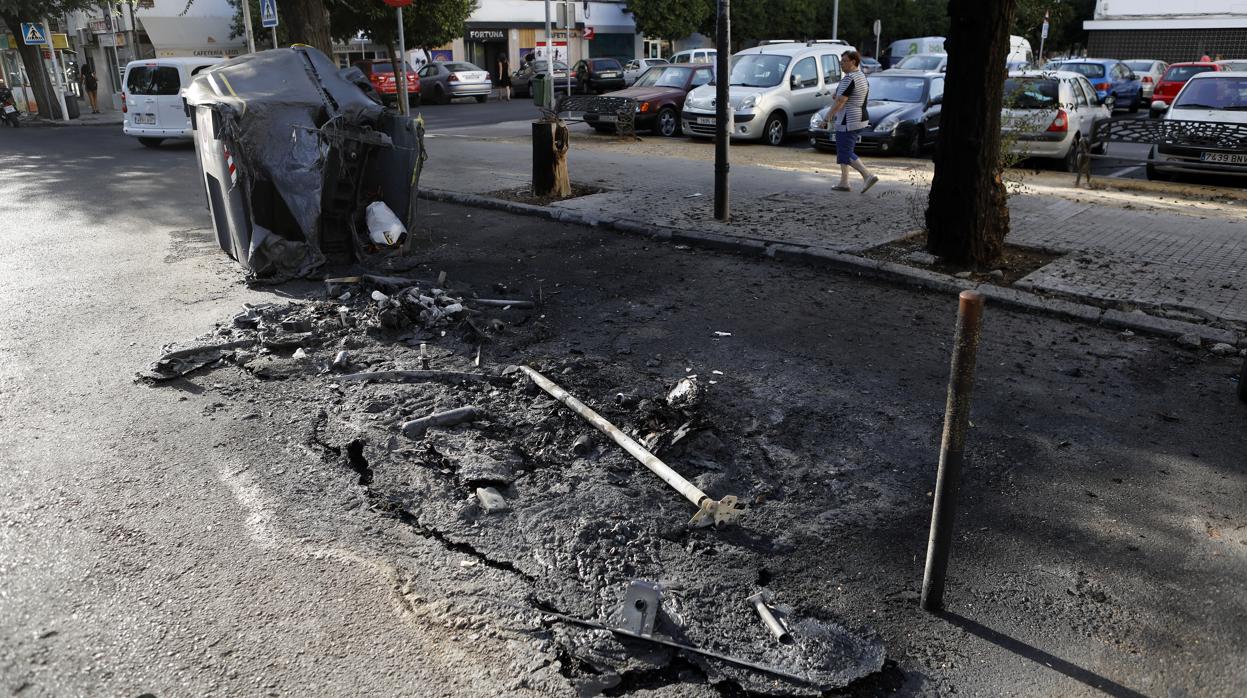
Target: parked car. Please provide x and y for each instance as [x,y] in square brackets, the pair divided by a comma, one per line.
[522,81]
[924,62]
[903,113]
[660,94]
[1172,81]
[870,65]
[1114,81]
[1149,72]
[1236,66]
[774,90]
[695,55]
[598,75]
[151,100]
[1047,114]
[1214,97]
[634,68]
[381,74]
[441,82]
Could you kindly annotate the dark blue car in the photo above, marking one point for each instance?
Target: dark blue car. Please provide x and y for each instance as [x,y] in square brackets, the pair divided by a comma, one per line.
[1115,83]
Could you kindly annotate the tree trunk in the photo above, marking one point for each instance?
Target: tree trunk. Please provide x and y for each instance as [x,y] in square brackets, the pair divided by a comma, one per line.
[32,59]
[968,213]
[307,22]
[550,176]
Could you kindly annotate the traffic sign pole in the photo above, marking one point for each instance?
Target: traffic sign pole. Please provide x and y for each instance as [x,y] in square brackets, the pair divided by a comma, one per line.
[404,107]
[878,27]
[58,85]
[246,21]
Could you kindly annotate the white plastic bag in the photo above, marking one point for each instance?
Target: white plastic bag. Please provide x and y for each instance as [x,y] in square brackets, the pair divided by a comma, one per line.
[384,228]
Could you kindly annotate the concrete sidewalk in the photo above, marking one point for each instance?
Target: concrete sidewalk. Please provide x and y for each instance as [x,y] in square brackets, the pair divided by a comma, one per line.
[1127,252]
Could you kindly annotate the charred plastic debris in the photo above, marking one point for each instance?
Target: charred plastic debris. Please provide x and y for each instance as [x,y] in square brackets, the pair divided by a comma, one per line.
[495,459]
[302,164]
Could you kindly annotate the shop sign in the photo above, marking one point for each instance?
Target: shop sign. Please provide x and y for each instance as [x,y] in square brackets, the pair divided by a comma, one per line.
[487,35]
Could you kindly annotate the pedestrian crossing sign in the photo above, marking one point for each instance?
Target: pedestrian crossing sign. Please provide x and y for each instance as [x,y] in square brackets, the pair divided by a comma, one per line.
[268,13]
[33,34]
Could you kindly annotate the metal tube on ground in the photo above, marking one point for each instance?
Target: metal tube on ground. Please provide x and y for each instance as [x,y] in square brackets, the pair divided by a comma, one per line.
[952,448]
[417,428]
[772,623]
[718,512]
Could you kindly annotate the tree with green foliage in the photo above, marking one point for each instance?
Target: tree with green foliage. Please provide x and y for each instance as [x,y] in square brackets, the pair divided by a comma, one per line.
[671,19]
[426,24]
[13,13]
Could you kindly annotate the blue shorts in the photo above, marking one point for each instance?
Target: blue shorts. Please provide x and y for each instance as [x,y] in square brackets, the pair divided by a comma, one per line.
[845,142]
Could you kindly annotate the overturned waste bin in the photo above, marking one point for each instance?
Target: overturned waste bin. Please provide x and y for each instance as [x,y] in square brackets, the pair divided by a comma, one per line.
[293,153]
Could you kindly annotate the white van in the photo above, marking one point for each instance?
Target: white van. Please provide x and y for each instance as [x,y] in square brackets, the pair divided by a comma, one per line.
[1020,53]
[774,90]
[151,98]
[919,46]
[695,55]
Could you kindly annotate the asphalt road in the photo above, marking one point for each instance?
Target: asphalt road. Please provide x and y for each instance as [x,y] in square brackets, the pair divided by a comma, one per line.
[467,112]
[195,539]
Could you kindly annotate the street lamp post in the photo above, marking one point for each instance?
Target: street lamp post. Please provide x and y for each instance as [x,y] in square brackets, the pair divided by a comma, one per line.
[835,20]
[723,110]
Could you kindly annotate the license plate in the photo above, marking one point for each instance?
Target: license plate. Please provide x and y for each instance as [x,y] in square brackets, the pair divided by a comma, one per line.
[1227,158]
[9,109]
[705,121]
[146,119]
[605,119]
[610,75]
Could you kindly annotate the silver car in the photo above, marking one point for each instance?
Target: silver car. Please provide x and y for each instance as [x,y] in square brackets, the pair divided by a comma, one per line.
[1048,113]
[774,90]
[522,80]
[634,68]
[1149,72]
[441,82]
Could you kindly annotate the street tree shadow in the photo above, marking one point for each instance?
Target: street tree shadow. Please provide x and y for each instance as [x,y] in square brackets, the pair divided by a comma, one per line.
[1039,656]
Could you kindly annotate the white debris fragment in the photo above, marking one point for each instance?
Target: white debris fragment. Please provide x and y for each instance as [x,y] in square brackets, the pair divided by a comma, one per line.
[717,333]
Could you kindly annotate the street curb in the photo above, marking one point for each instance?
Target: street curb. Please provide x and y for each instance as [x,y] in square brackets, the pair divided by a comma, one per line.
[46,123]
[855,264]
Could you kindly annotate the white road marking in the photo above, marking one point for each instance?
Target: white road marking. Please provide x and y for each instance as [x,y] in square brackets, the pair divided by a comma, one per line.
[1124,171]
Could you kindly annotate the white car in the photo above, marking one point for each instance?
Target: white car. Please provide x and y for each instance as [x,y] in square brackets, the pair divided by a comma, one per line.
[1149,72]
[695,55]
[635,67]
[1212,98]
[151,98]
[774,90]
[1048,113]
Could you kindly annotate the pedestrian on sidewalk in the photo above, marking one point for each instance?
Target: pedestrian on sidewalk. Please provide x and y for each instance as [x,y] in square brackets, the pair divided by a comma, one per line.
[848,115]
[504,77]
[90,85]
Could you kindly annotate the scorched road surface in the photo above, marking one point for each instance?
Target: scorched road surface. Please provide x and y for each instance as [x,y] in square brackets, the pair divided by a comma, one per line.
[259,528]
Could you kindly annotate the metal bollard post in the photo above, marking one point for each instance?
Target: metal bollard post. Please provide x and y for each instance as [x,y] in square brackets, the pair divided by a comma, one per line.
[952,449]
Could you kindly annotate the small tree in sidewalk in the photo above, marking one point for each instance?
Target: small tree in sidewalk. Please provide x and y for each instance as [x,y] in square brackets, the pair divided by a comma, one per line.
[13,13]
[967,212]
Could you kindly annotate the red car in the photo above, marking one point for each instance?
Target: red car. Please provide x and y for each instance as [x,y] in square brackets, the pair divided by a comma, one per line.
[1172,81]
[381,74]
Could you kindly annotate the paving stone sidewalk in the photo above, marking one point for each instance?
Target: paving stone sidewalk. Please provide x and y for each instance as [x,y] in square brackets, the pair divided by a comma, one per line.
[1190,267]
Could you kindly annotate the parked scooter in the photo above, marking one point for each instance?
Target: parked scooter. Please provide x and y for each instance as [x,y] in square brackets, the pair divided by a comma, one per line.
[8,108]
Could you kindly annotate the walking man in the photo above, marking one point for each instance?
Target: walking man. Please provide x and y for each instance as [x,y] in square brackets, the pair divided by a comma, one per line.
[848,116]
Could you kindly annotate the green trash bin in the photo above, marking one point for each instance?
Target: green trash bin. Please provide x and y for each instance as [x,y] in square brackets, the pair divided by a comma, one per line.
[541,92]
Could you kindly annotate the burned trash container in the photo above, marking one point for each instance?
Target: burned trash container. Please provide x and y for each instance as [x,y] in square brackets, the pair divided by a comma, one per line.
[293,153]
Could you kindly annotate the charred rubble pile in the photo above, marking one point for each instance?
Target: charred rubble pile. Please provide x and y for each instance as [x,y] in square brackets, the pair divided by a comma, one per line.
[550,467]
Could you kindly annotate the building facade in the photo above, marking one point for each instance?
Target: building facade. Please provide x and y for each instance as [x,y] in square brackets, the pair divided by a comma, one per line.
[1167,30]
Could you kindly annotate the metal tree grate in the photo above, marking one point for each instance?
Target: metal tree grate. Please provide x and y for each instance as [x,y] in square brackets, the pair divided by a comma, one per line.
[623,108]
[1193,134]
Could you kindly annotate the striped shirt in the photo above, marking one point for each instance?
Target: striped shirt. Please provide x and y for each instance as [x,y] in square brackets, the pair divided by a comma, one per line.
[853,116]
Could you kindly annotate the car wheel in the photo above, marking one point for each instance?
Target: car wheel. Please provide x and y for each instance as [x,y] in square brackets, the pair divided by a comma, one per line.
[1134,104]
[668,123]
[1070,161]
[481,99]
[600,128]
[1110,102]
[1153,174]
[914,148]
[151,142]
[441,96]
[774,131]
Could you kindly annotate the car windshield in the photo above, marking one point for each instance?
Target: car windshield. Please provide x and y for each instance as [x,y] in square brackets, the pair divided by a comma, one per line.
[664,76]
[153,80]
[1091,70]
[384,67]
[1233,65]
[1214,93]
[657,61]
[605,64]
[462,68]
[542,66]
[1031,93]
[1141,66]
[758,70]
[921,63]
[890,88]
[1182,73]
